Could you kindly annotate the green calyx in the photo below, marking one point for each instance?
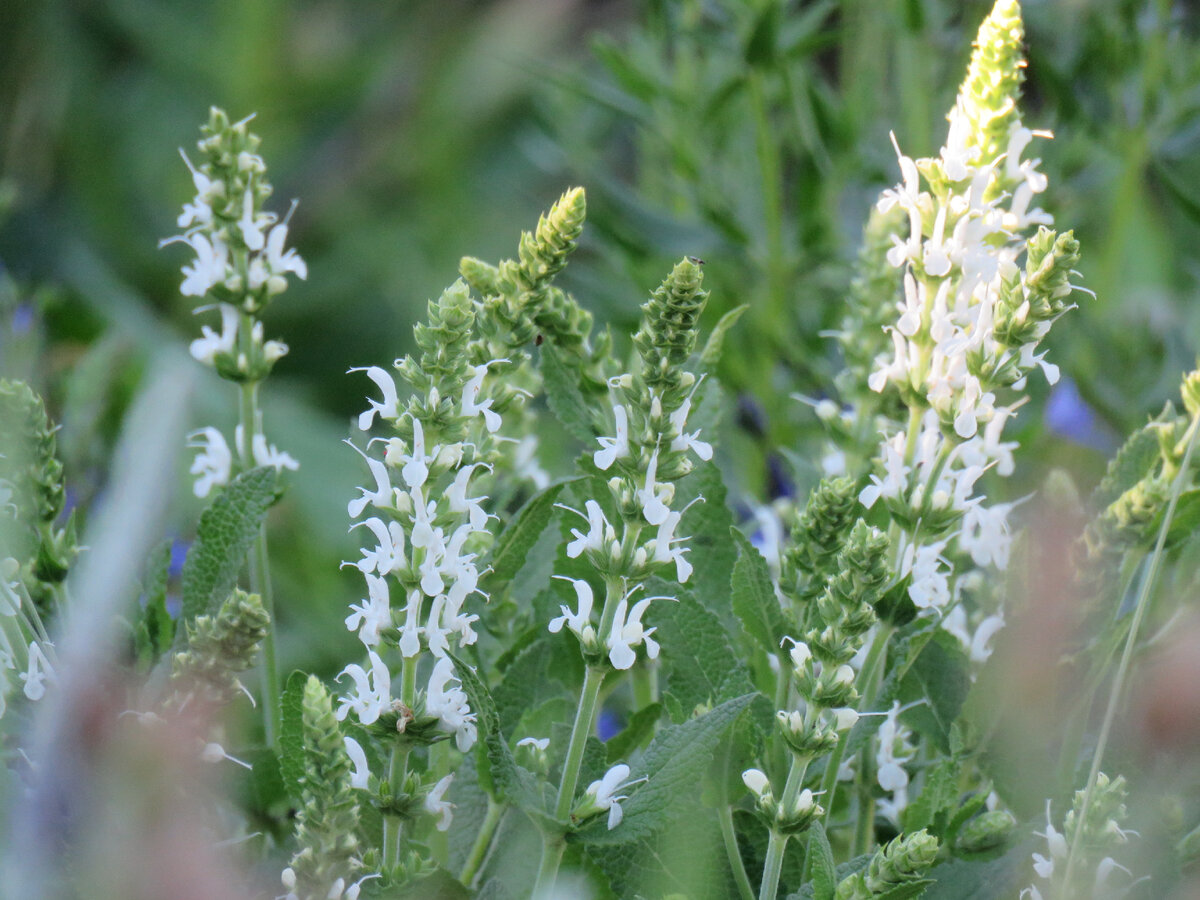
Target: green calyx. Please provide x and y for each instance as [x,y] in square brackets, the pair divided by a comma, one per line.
[33,494]
[667,336]
[902,861]
[1026,307]
[328,818]
[219,648]
[817,535]
[443,341]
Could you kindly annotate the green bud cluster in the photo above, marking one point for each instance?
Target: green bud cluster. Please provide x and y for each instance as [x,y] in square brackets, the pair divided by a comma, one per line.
[846,609]
[1101,822]
[1022,315]
[817,535]
[517,301]
[219,647]
[328,818]
[32,495]
[443,341]
[667,335]
[989,94]
[987,831]
[903,861]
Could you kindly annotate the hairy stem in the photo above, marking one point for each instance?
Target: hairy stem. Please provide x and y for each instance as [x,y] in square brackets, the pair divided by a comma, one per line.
[777,843]
[483,842]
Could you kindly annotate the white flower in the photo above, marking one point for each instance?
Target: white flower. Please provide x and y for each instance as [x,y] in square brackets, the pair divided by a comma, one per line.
[389,408]
[277,263]
[603,793]
[614,448]
[628,633]
[252,225]
[930,587]
[894,750]
[210,267]
[388,555]
[374,615]
[413,465]
[686,441]
[985,534]
[654,497]
[757,781]
[459,502]
[895,474]
[215,753]
[362,771]
[209,345]
[214,462]
[436,806]
[470,405]
[600,532]
[539,744]
[580,620]
[410,635]
[665,552]
[265,454]
[383,497]
[450,705]
[38,672]
[373,693]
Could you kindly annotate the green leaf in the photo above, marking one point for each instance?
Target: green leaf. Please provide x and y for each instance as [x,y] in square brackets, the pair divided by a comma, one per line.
[155,629]
[564,395]
[907,890]
[227,529]
[824,871]
[711,354]
[941,674]
[697,657]
[291,734]
[938,796]
[996,879]
[438,885]
[754,598]
[522,533]
[904,647]
[513,782]
[674,764]
[1186,520]
[712,554]
[637,733]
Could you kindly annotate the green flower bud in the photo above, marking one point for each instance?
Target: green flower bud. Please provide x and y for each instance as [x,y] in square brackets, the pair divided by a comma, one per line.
[989,94]
[667,336]
[219,647]
[902,861]
[818,534]
[987,831]
[327,821]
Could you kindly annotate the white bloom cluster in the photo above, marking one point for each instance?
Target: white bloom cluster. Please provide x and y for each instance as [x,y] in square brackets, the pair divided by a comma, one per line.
[1053,862]
[894,750]
[424,525]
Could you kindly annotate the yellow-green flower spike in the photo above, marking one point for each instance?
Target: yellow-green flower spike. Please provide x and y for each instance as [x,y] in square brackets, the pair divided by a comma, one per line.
[219,648]
[988,96]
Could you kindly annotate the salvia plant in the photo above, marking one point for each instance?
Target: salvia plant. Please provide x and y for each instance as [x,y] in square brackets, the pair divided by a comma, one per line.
[581,673]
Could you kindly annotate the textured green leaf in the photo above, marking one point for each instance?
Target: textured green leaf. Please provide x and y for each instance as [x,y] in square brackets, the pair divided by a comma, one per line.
[711,354]
[754,599]
[996,879]
[522,533]
[938,796]
[564,395]
[513,782]
[907,890]
[674,764]
[697,657]
[437,885]
[941,674]
[1133,462]
[687,859]
[637,733]
[227,530]
[706,526]
[820,855]
[291,734]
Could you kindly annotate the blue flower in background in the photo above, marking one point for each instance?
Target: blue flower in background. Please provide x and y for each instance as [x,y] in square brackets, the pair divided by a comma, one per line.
[608,724]
[1069,416]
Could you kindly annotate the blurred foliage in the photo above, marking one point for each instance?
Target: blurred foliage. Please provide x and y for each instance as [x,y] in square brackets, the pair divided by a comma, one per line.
[749,133]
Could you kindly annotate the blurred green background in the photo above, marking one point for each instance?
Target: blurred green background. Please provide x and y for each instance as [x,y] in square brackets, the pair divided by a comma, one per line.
[752,134]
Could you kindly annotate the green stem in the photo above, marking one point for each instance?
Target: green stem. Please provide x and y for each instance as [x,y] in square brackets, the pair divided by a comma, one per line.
[1139,613]
[260,573]
[483,842]
[585,720]
[392,825]
[741,879]
[867,676]
[773,866]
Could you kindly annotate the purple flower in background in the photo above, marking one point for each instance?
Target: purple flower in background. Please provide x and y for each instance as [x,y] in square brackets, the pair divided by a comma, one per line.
[23,318]
[1069,416]
[608,724]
